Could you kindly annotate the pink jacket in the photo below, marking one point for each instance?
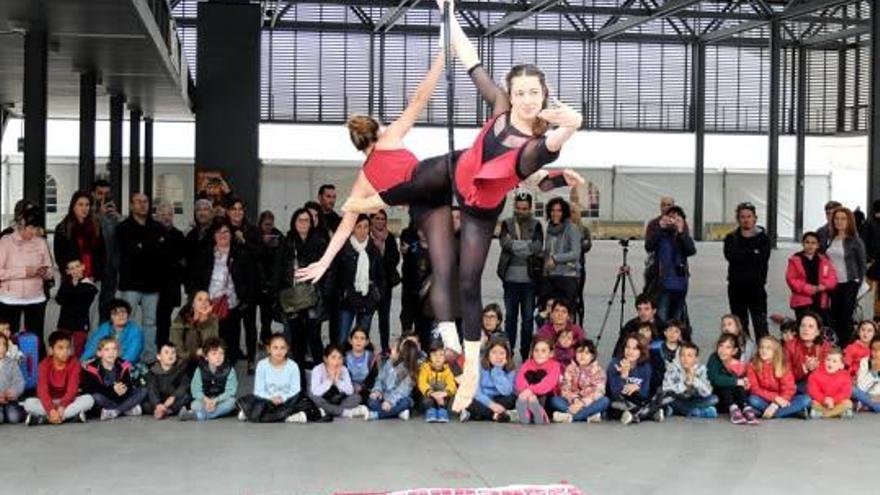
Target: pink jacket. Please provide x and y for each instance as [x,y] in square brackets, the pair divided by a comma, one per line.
[16,255]
[541,379]
[796,277]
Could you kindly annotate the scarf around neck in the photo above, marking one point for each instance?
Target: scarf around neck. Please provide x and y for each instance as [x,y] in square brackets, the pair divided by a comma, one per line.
[362,274]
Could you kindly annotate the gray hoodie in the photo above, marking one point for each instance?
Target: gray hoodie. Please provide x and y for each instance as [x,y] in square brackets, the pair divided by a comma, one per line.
[10,376]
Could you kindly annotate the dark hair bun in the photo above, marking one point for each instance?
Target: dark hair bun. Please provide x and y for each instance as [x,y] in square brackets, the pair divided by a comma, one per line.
[363,130]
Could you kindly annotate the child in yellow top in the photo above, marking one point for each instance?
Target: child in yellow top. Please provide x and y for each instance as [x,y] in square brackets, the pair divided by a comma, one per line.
[437,385]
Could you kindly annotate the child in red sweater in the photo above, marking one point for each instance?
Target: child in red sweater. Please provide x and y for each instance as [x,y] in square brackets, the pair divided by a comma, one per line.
[536,381]
[830,388]
[57,385]
[772,391]
[807,352]
[860,348]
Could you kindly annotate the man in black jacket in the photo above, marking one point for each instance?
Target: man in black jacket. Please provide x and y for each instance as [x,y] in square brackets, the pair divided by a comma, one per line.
[140,241]
[871,237]
[747,250]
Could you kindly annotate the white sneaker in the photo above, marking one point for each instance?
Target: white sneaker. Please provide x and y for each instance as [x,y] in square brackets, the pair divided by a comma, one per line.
[134,411]
[596,418]
[299,417]
[404,415]
[242,416]
[626,418]
[360,412]
[108,414]
[464,416]
[513,414]
[561,417]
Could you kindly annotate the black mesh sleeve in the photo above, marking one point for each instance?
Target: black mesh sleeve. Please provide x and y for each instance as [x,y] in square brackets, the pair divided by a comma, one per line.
[494,96]
[534,156]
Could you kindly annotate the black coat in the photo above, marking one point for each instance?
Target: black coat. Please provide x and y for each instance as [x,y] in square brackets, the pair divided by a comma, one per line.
[345,269]
[242,268]
[66,248]
[295,252]
[174,265]
[141,255]
[390,260]
[268,256]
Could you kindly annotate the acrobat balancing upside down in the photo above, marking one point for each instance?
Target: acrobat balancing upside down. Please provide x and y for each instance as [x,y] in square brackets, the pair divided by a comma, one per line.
[522,136]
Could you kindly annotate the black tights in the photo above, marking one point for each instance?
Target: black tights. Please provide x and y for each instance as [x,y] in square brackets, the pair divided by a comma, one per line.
[476,237]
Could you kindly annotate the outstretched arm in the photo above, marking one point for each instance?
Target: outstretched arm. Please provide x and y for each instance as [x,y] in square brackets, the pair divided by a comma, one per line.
[393,136]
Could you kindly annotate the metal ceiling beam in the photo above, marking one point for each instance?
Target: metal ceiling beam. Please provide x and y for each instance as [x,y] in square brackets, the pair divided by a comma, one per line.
[668,8]
[392,16]
[280,13]
[796,11]
[512,18]
[836,35]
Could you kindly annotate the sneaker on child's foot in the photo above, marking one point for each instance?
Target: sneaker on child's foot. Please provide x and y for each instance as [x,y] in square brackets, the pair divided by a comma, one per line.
[431,415]
[668,411]
[464,416]
[404,415]
[242,416]
[751,417]
[660,415]
[200,415]
[562,417]
[513,415]
[299,417]
[107,414]
[596,418]
[134,411]
[815,413]
[736,416]
[30,419]
[185,414]
[626,418]
[371,416]
[360,412]
[443,415]
[848,414]
[805,413]
[709,412]
[81,417]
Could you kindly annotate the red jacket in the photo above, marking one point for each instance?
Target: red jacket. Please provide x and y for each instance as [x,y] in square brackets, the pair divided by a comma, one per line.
[853,355]
[796,277]
[54,384]
[822,384]
[797,353]
[766,385]
[541,379]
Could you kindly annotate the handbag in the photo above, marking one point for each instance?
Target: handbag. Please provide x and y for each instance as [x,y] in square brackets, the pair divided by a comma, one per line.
[299,296]
[220,305]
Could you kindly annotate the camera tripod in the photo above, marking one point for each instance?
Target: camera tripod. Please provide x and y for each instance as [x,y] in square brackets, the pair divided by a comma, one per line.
[623,275]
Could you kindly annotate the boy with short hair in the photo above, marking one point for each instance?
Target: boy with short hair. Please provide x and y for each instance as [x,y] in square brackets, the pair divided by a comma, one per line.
[75,296]
[213,384]
[437,385]
[57,386]
[687,390]
[120,327]
[108,380]
[830,388]
[167,384]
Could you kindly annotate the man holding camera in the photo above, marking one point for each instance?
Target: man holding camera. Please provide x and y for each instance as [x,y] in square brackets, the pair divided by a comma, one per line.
[108,216]
[671,245]
[747,251]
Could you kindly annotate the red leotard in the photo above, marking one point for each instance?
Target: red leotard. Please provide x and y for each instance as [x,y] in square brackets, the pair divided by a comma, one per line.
[481,184]
[387,168]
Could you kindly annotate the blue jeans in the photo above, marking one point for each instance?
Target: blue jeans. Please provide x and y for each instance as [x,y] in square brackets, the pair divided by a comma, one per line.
[122,406]
[375,405]
[863,397]
[347,317]
[223,408]
[11,413]
[559,404]
[684,407]
[670,304]
[148,302]
[798,404]
[519,300]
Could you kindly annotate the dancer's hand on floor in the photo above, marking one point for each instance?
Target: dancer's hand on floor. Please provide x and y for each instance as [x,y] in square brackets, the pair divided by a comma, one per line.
[311,273]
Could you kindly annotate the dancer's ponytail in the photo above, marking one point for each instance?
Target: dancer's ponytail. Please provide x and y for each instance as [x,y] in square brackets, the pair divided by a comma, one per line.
[363,130]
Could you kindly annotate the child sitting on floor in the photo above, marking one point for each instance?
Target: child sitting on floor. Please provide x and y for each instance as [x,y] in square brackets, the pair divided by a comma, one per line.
[830,388]
[11,385]
[361,362]
[75,296]
[727,375]
[867,388]
[860,348]
[213,384]
[536,381]
[57,386]
[807,352]
[126,332]
[168,384]
[12,350]
[731,325]
[687,390]
[108,380]
[666,352]
[331,388]
[390,397]
[437,385]
[495,396]
[629,383]
[582,396]
[771,383]
[277,387]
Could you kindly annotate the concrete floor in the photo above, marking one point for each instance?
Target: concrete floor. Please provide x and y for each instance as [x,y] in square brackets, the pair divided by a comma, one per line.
[140,455]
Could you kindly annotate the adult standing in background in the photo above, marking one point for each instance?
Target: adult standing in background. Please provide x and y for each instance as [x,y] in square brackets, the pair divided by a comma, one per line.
[271,240]
[671,245]
[109,218]
[747,251]
[78,237]
[562,253]
[141,240]
[847,253]
[360,279]
[666,202]
[870,234]
[522,240]
[825,230]
[199,236]
[586,245]
[25,263]
[173,255]
[247,236]
[327,200]
[386,243]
